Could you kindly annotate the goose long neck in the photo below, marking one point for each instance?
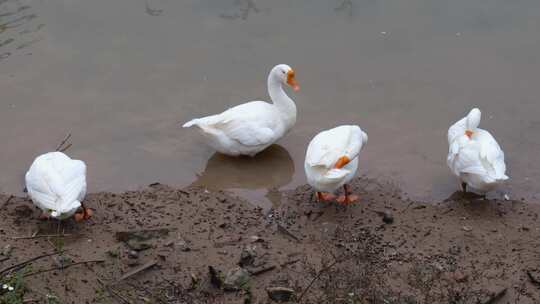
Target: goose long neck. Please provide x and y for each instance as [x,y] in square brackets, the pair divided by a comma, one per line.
[285,105]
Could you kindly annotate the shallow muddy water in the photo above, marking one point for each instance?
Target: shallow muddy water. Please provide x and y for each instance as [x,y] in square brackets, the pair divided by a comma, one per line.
[121,75]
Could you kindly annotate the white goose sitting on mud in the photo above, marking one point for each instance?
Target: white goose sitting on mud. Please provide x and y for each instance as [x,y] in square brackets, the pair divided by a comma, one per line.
[332,160]
[57,185]
[249,128]
[474,156]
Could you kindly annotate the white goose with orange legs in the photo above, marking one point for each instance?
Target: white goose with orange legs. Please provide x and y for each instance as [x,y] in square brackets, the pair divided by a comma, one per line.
[57,185]
[332,160]
[249,128]
[474,156]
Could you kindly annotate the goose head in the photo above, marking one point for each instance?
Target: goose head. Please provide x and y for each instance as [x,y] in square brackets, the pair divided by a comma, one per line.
[284,74]
[473,120]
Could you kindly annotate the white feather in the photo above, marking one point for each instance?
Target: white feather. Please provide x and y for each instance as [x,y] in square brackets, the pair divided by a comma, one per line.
[325,149]
[56,184]
[477,161]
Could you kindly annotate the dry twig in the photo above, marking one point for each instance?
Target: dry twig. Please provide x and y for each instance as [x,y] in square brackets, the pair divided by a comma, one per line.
[137,270]
[63,267]
[22,264]
[7,201]
[62,146]
[39,236]
[496,297]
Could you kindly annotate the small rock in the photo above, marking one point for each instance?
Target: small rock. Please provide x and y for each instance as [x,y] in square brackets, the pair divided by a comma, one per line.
[280,294]
[467,228]
[236,279]
[460,277]
[138,245]
[140,239]
[132,254]
[256,239]
[62,261]
[388,218]
[6,251]
[216,277]
[247,257]
[113,253]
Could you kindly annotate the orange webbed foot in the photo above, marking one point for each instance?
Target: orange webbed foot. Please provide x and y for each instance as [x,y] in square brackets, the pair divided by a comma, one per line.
[85,215]
[325,197]
[347,199]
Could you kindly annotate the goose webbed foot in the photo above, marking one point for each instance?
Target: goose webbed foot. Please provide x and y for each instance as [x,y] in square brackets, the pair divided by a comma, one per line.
[347,198]
[84,215]
[324,196]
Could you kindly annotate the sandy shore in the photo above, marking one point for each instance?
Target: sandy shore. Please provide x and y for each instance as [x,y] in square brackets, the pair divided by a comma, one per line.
[157,245]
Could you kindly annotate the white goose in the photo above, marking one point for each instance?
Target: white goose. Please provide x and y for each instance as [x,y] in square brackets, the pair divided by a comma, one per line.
[332,161]
[249,128]
[57,185]
[474,156]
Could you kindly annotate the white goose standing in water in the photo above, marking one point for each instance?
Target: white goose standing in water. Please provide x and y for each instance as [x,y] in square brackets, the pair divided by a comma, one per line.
[332,161]
[57,185]
[474,156]
[249,128]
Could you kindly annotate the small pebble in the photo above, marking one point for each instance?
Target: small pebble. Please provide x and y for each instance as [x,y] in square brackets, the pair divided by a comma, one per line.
[132,254]
[388,218]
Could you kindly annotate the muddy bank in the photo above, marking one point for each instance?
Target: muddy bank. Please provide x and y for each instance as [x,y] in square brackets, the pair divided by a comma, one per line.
[157,245]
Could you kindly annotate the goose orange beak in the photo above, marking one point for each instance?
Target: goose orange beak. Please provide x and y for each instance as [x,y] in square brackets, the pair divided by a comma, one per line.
[469,133]
[342,161]
[291,80]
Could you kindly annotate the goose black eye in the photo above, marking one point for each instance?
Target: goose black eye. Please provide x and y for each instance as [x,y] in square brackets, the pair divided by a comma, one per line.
[282,71]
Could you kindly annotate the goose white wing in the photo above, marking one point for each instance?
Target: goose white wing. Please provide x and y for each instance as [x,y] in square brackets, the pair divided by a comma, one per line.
[328,146]
[491,154]
[74,178]
[56,182]
[335,175]
[481,156]
[468,160]
[250,124]
[44,184]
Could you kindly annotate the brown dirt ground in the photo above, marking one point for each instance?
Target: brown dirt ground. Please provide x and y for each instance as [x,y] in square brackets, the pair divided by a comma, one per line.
[462,250]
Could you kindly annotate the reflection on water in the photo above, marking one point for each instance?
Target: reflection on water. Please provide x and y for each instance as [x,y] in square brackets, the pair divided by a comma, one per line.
[265,173]
[345,6]
[120,79]
[18,28]
[271,168]
[152,11]
[242,10]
